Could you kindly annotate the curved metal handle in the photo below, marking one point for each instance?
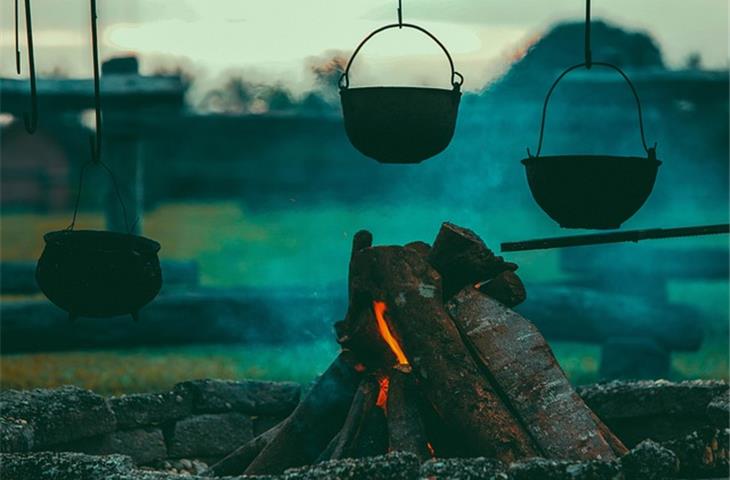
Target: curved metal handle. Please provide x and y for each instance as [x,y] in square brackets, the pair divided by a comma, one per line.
[651,151]
[454,74]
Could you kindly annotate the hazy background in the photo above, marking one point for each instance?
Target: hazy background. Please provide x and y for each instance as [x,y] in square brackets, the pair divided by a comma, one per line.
[254,186]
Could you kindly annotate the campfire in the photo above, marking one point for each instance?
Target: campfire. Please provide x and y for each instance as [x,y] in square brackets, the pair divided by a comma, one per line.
[434,362]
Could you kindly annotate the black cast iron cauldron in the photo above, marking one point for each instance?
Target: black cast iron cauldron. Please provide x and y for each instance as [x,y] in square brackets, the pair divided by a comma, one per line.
[591,191]
[400,124]
[98,273]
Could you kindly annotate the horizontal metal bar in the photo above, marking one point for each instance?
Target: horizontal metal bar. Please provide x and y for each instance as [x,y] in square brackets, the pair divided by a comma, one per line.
[614,237]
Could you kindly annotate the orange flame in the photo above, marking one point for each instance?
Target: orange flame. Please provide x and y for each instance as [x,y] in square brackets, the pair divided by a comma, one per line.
[382,400]
[379,308]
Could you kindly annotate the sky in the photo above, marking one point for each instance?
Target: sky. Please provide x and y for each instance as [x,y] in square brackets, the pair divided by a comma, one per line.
[274,41]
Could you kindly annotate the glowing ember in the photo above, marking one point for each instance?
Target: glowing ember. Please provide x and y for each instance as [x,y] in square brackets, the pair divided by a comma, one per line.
[382,400]
[430,450]
[359,367]
[380,308]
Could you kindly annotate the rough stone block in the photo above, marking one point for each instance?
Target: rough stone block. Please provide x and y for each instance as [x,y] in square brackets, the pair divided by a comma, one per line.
[62,466]
[58,415]
[143,446]
[146,409]
[248,396]
[16,435]
[209,435]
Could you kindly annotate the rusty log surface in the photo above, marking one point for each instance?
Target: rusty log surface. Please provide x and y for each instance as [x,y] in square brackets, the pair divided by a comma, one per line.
[406,431]
[522,365]
[311,426]
[447,374]
[462,259]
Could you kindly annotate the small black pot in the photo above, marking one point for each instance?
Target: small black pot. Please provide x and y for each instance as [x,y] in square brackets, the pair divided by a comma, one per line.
[98,273]
[590,191]
[400,124]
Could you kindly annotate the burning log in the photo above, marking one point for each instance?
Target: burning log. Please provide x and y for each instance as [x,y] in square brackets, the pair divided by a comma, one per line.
[521,364]
[449,377]
[462,259]
[406,431]
[470,377]
[317,418]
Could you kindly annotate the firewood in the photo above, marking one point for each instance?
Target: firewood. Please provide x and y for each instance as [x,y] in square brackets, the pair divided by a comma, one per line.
[423,248]
[372,437]
[237,461]
[518,360]
[406,431]
[362,402]
[317,418]
[618,447]
[506,287]
[462,259]
[447,374]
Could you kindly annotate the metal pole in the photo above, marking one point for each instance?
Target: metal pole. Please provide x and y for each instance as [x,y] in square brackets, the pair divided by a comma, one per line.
[614,237]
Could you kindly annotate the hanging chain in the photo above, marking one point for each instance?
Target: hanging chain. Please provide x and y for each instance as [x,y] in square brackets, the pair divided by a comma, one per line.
[588,52]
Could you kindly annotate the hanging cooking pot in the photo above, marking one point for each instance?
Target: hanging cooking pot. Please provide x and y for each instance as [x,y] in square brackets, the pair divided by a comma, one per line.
[591,191]
[400,124]
[99,274]
[95,273]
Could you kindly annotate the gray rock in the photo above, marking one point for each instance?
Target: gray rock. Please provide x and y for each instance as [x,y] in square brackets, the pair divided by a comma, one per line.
[649,461]
[142,445]
[16,435]
[58,415]
[620,399]
[718,411]
[544,469]
[703,453]
[393,466]
[463,469]
[248,396]
[62,466]
[209,435]
[145,409]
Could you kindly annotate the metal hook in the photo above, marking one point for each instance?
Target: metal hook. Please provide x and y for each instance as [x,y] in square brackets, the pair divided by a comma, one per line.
[31,121]
[588,52]
[400,14]
[95,138]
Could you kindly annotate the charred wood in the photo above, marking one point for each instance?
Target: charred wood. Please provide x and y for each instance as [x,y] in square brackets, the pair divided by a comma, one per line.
[462,259]
[506,287]
[446,372]
[406,431]
[317,418]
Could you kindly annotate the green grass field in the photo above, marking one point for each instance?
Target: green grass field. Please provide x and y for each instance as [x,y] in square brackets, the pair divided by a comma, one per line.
[297,246]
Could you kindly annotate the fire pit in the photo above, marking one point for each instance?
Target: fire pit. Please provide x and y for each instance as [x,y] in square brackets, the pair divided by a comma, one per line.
[434,363]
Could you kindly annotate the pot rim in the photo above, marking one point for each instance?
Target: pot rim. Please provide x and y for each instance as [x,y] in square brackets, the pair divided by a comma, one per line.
[588,158]
[406,88]
[139,241]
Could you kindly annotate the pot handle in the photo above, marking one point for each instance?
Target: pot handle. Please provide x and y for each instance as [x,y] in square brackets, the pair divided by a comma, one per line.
[651,151]
[456,78]
[116,191]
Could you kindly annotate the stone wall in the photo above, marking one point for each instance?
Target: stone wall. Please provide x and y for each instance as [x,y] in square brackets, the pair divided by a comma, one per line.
[73,433]
[199,419]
